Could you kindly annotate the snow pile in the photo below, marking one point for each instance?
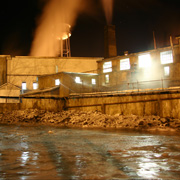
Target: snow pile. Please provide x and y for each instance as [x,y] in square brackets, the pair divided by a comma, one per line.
[91,119]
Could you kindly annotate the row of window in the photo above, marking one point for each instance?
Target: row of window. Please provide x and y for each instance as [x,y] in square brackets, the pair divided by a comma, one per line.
[144,61]
[57,83]
[24,86]
[79,81]
[166,73]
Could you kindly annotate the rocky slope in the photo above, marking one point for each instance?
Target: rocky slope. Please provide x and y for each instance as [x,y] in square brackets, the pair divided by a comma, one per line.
[88,120]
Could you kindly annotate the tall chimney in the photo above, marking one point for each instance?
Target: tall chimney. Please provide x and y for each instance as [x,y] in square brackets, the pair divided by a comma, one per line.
[110,49]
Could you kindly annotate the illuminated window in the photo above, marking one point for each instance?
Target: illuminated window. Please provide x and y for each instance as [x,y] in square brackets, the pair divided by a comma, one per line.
[24,86]
[166,57]
[144,61]
[107,78]
[35,85]
[78,80]
[166,70]
[57,82]
[93,81]
[56,69]
[107,67]
[124,64]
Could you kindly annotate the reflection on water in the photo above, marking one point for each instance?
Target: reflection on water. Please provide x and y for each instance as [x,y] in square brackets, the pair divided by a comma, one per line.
[24,158]
[32,153]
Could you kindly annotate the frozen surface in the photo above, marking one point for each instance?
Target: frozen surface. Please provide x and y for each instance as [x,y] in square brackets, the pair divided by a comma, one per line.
[43,152]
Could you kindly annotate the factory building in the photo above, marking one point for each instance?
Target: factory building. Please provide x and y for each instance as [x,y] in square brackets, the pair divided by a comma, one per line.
[23,71]
[65,76]
[150,69]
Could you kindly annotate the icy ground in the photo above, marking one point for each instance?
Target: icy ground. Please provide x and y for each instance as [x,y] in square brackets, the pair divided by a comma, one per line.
[91,119]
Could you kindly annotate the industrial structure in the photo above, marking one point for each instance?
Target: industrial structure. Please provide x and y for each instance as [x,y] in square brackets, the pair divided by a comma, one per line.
[65,76]
[64,40]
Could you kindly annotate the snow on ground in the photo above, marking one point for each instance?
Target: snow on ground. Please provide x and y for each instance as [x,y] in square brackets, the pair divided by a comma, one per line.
[91,119]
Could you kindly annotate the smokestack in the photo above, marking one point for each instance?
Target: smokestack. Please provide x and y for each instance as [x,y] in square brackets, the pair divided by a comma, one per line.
[110,49]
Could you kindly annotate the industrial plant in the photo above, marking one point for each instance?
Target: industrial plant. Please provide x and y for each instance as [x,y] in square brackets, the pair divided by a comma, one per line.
[33,82]
[157,68]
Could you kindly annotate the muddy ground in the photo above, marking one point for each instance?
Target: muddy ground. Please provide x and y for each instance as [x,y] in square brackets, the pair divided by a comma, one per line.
[91,119]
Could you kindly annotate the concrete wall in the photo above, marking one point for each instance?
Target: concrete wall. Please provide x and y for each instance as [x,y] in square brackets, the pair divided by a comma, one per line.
[158,103]
[68,84]
[9,107]
[26,68]
[48,104]
[3,69]
[163,104]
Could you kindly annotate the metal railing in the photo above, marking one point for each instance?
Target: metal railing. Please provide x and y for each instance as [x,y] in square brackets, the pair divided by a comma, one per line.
[130,87]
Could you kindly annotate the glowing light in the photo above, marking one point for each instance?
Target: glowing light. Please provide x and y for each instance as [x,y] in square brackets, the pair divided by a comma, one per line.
[24,87]
[78,80]
[107,78]
[93,81]
[24,157]
[57,82]
[166,71]
[107,67]
[35,85]
[145,61]
[124,64]
[166,57]
[65,36]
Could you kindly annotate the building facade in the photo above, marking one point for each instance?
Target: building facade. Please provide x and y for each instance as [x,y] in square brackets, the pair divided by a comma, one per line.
[141,70]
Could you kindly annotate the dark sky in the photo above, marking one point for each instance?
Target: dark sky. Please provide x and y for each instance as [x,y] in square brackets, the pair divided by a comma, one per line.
[135,22]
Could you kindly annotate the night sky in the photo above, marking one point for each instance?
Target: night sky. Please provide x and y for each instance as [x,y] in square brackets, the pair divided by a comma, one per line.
[135,22]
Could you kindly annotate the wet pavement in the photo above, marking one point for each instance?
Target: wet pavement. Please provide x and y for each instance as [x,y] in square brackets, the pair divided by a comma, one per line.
[35,153]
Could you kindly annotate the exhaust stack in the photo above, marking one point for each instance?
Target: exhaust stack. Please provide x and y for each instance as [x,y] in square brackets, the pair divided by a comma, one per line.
[110,49]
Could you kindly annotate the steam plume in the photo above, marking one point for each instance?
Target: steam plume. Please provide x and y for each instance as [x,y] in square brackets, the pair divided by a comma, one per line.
[108,8]
[53,23]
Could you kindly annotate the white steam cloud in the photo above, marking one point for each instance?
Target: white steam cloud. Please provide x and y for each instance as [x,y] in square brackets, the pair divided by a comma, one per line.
[108,8]
[53,23]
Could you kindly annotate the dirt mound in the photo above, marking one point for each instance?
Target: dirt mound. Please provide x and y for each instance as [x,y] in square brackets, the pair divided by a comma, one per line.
[91,119]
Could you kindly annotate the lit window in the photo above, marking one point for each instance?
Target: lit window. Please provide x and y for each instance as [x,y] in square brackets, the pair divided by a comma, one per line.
[144,61]
[124,64]
[166,70]
[56,69]
[107,67]
[24,86]
[78,80]
[107,78]
[57,82]
[166,57]
[93,81]
[35,85]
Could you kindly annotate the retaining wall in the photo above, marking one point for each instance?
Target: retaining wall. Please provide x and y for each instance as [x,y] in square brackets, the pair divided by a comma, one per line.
[163,104]
[153,103]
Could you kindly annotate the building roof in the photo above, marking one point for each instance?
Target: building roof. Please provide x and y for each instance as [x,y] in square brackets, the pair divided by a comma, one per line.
[10,86]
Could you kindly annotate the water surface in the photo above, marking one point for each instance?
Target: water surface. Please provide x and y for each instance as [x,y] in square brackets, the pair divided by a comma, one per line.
[37,153]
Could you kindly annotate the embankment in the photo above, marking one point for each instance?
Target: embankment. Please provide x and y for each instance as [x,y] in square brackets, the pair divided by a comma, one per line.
[88,119]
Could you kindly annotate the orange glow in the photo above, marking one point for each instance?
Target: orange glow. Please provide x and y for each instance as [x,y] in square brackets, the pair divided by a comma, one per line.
[108,8]
[55,23]
[66,34]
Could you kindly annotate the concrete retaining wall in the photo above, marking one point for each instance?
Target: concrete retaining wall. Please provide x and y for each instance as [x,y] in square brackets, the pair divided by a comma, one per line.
[163,104]
[157,103]
[9,107]
[48,104]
